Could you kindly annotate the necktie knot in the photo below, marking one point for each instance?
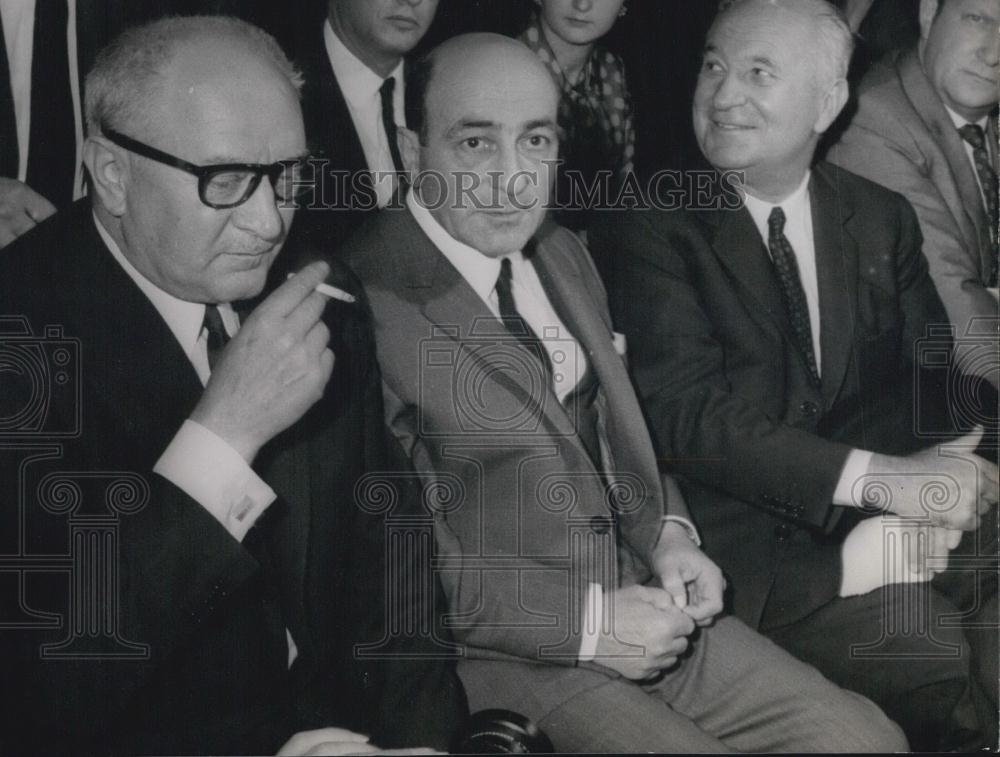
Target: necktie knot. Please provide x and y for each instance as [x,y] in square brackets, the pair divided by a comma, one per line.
[776,221]
[974,135]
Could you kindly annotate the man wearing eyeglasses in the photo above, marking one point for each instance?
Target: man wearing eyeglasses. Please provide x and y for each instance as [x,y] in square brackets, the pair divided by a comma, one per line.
[241,572]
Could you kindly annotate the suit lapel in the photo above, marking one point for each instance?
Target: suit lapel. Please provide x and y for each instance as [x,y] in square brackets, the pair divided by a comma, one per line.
[928,105]
[128,345]
[740,249]
[837,274]
[559,274]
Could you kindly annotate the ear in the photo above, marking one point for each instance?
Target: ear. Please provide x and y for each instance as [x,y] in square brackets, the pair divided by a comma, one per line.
[108,173]
[833,102]
[928,12]
[408,142]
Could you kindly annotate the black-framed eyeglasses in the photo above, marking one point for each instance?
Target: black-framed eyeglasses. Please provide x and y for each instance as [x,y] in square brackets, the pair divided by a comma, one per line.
[226,185]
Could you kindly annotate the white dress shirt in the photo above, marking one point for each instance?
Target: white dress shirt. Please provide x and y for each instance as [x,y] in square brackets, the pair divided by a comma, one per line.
[984,124]
[361,86]
[18,20]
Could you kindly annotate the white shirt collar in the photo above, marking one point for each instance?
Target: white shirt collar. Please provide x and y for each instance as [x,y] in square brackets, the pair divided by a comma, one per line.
[358,82]
[480,271]
[959,121]
[183,318]
[795,205]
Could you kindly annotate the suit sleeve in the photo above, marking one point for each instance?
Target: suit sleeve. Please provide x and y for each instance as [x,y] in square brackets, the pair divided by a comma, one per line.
[881,149]
[703,428]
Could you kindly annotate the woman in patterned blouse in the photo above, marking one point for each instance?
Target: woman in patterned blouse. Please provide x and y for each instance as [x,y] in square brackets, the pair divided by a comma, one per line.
[595,112]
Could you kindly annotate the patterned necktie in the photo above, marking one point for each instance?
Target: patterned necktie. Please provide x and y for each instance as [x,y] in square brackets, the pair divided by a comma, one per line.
[389,120]
[792,292]
[216,333]
[52,134]
[514,323]
[974,135]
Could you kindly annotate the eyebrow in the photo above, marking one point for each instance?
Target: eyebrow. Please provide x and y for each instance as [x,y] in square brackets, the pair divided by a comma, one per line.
[461,126]
[220,159]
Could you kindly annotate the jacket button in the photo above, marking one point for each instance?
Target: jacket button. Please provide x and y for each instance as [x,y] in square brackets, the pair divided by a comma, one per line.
[808,408]
[783,531]
[600,524]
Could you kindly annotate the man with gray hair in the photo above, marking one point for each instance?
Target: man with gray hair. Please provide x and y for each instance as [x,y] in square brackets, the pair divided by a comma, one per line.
[239,576]
[784,354]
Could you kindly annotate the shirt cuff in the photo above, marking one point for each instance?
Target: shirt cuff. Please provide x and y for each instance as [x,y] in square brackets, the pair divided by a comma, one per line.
[687,525]
[216,476]
[855,468]
[592,622]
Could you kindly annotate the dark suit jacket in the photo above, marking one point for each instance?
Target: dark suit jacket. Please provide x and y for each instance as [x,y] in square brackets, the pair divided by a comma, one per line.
[903,138]
[344,193]
[214,680]
[728,396]
[527,524]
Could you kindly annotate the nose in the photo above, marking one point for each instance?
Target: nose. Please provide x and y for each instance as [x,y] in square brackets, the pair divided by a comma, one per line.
[582,6]
[727,92]
[990,51]
[259,214]
[512,174]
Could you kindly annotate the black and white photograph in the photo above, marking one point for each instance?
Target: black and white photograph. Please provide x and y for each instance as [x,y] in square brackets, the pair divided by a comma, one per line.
[499,376]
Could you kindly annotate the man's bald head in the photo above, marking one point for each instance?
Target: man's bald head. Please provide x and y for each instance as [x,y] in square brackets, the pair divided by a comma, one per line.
[128,76]
[485,58]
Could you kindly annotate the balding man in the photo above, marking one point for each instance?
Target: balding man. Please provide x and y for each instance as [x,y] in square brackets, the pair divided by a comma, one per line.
[926,127]
[572,570]
[244,573]
[778,349]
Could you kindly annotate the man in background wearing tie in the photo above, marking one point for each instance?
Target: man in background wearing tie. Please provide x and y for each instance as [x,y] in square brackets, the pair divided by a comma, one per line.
[352,103]
[926,127]
[41,130]
[775,347]
[248,572]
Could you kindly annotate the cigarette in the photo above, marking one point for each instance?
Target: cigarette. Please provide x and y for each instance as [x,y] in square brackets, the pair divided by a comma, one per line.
[332,292]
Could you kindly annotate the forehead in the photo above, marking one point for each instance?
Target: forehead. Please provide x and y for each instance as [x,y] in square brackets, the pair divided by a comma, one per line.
[240,107]
[954,8]
[502,89]
[754,31]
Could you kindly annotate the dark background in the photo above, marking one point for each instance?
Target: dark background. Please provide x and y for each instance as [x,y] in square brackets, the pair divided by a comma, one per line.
[659,40]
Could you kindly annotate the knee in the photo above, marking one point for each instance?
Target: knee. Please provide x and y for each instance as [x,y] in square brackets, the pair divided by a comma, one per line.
[875,732]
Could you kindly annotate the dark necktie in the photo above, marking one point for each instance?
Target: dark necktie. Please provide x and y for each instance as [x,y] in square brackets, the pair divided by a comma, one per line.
[512,320]
[389,120]
[217,335]
[791,288]
[974,135]
[52,134]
